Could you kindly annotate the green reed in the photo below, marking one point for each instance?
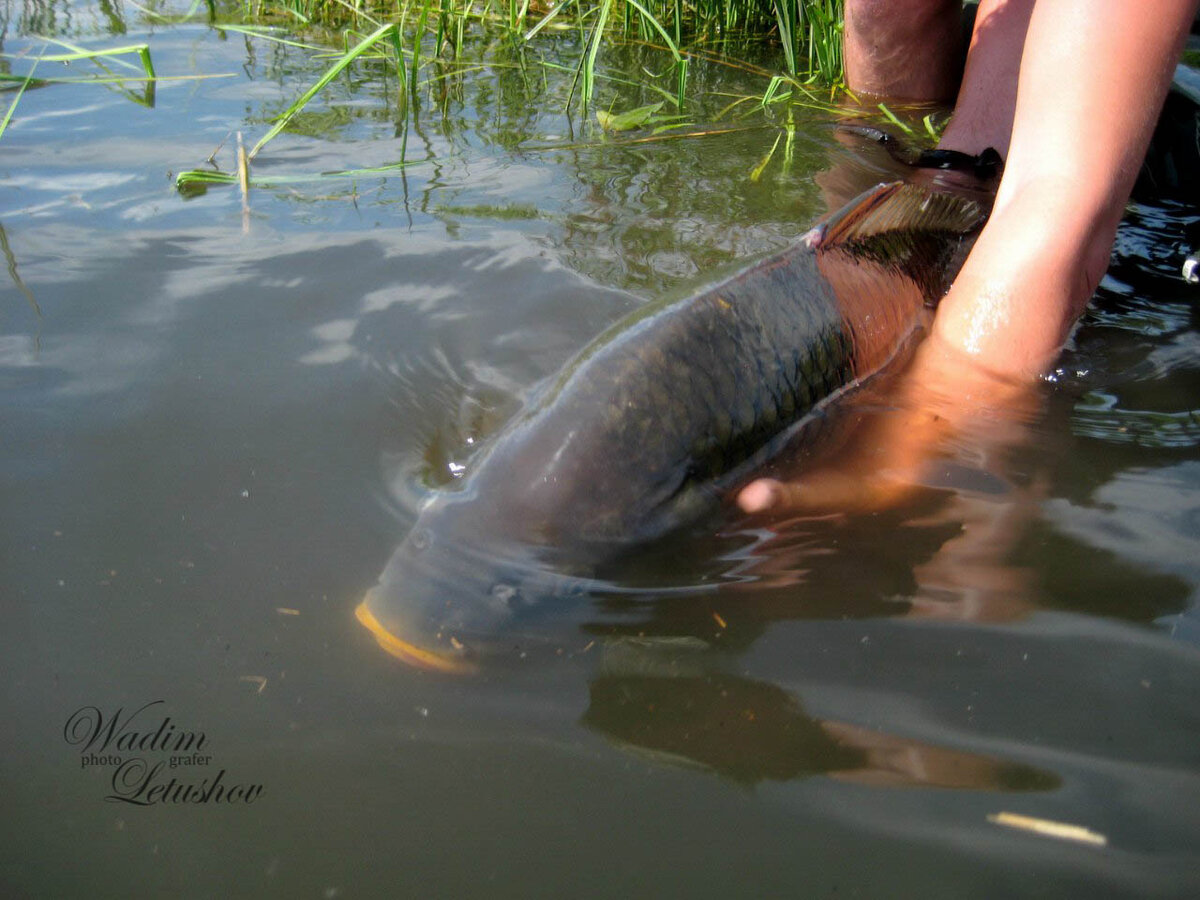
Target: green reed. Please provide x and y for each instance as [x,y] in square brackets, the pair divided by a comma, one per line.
[332,72]
[422,42]
[807,31]
[143,73]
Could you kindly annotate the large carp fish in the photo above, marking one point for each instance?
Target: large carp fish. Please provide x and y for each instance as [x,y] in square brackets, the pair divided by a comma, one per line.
[659,420]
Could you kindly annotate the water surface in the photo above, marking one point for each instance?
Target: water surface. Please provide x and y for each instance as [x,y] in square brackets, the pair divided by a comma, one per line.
[217,424]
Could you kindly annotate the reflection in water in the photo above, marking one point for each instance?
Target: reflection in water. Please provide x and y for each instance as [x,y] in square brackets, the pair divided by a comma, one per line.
[985,546]
[1137,530]
[654,699]
[946,553]
[11,264]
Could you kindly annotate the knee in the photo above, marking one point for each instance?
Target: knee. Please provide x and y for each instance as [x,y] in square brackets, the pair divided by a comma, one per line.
[900,18]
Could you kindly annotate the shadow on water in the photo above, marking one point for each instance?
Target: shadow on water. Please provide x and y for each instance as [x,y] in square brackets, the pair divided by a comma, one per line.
[669,702]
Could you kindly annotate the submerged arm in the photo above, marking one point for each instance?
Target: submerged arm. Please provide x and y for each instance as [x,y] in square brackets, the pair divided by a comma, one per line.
[1092,78]
[1092,81]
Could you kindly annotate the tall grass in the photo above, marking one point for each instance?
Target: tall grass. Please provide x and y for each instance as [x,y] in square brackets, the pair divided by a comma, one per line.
[807,31]
[414,36]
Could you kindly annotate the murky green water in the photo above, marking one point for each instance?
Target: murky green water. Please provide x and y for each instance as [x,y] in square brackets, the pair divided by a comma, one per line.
[216,425]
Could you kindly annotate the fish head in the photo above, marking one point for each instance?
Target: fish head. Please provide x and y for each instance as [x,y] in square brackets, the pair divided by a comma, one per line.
[453,589]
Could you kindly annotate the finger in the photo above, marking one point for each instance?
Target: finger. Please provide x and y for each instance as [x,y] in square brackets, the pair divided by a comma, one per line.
[822,491]
[819,490]
[760,495]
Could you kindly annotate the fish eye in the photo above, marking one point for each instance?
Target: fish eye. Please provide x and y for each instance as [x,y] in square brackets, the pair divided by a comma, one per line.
[421,539]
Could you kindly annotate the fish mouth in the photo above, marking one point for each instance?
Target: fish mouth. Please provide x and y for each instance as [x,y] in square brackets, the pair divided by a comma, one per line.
[419,657]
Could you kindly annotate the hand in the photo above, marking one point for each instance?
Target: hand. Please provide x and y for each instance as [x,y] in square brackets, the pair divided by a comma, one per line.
[945,408]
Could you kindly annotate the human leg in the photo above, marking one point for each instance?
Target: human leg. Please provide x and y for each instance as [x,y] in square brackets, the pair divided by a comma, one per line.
[987,97]
[908,49]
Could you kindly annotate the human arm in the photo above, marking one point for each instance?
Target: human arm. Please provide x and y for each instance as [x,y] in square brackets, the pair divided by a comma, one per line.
[1092,77]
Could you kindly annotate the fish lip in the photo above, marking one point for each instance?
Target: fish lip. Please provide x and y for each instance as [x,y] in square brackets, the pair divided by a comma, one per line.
[411,654]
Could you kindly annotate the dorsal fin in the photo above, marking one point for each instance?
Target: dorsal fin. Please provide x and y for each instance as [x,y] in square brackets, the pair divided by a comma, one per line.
[909,229]
[900,207]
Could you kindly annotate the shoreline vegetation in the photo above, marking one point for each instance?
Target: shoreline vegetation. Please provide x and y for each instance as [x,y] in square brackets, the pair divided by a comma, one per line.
[420,45]
[807,32]
[422,42]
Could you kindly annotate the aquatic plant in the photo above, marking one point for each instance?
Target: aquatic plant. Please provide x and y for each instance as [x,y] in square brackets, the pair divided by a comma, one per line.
[807,31]
[145,74]
[413,35]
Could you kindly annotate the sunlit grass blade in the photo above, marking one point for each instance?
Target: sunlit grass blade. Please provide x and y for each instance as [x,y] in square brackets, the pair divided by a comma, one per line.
[934,131]
[589,61]
[516,14]
[202,176]
[891,117]
[769,95]
[17,99]
[80,53]
[111,79]
[362,47]
[143,53]
[757,171]
[825,39]
[416,48]
[397,39]
[193,178]
[113,54]
[243,172]
[785,16]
